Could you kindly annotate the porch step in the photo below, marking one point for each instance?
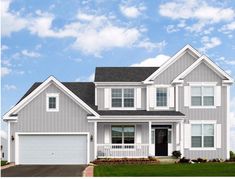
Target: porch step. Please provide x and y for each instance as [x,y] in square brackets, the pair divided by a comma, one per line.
[167,159]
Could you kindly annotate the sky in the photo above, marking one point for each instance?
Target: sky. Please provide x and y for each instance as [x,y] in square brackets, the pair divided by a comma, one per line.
[68,39]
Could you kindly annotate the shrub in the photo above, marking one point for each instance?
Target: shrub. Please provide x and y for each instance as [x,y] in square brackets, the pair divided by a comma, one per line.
[176,154]
[232,155]
[184,160]
[200,160]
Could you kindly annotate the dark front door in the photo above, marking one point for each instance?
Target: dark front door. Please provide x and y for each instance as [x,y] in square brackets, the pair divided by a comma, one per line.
[161,145]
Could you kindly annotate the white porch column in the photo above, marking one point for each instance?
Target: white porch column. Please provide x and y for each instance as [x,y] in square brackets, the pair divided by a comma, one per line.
[95,140]
[182,138]
[150,127]
[177,137]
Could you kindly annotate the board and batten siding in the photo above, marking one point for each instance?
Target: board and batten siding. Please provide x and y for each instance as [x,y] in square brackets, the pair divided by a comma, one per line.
[101,96]
[175,69]
[34,118]
[202,73]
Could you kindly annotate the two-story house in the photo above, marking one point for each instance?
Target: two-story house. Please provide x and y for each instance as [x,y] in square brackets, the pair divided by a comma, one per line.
[126,112]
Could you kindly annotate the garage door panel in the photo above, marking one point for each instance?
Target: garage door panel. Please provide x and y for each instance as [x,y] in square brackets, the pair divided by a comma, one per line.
[53,149]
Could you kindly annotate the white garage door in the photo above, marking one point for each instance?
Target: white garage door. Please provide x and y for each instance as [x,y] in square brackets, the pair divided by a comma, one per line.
[52,149]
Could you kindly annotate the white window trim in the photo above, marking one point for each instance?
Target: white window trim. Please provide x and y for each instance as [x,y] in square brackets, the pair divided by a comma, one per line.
[202,84]
[56,95]
[168,98]
[213,122]
[123,108]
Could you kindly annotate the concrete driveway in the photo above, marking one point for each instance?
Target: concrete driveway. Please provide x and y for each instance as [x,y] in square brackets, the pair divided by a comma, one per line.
[43,171]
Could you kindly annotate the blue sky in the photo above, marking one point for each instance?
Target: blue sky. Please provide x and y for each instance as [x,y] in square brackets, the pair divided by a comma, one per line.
[68,39]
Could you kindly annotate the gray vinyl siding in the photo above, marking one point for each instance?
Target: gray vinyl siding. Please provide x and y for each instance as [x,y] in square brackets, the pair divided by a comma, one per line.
[175,69]
[100,98]
[70,118]
[142,126]
[204,74]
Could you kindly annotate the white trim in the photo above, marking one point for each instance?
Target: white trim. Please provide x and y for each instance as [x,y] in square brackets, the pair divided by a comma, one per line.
[136,117]
[210,64]
[177,97]
[95,140]
[228,123]
[150,132]
[39,89]
[49,133]
[132,121]
[96,102]
[55,95]
[9,141]
[202,122]
[182,138]
[171,61]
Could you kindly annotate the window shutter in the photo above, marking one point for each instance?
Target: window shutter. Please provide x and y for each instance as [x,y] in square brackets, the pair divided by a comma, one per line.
[152,96]
[107,134]
[218,136]
[187,95]
[138,98]
[187,135]
[138,133]
[171,97]
[218,96]
[107,97]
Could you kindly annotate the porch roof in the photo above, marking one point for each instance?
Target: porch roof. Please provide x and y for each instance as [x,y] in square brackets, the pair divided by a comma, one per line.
[138,113]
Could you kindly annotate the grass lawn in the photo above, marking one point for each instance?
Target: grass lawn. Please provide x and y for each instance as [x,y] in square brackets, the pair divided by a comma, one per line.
[3,163]
[202,169]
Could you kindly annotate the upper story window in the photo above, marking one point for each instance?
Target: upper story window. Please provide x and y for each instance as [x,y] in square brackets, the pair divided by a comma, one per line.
[52,102]
[161,97]
[202,135]
[202,96]
[122,97]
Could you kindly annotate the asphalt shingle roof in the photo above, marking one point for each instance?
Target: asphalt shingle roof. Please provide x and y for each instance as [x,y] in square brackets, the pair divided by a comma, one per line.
[123,74]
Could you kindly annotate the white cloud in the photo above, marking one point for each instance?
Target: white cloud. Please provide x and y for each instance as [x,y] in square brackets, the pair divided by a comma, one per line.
[5,71]
[11,22]
[209,43]
[196,10]
[3,134]
[9,87]
[228,28]
[153,62]
[132,11]
[91,77]
[151,46]
[171,29]
[30,54]
[6,63]
[4,47]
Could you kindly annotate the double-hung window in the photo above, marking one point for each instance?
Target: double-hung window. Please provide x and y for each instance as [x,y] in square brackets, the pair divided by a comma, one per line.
[161,97]
[202,96]
[202,136]
[123,135]
[122,97]
[52,102]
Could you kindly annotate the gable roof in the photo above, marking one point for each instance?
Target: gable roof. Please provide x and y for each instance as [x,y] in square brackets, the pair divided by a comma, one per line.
[37,88]
[123,74]
[210,64]
[80,89]
[187,48]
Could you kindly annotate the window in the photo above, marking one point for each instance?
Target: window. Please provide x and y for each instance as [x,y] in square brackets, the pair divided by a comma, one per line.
[202,96]
[122,97]
[123,134]
[161,97]
[52,102]
[202,135]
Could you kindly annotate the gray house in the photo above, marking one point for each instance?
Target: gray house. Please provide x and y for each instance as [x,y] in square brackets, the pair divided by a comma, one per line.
[126,112]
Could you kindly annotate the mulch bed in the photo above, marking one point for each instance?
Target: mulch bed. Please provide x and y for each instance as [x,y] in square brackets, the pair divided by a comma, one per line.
[125,161]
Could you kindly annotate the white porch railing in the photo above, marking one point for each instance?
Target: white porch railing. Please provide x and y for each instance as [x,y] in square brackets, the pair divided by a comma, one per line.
[122,150]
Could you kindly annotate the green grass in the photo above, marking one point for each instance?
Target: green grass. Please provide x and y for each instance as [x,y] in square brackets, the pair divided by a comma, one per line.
[3,163]
[202,169]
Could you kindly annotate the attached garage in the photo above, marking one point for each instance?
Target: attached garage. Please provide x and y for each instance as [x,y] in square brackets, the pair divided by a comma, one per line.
[52,148]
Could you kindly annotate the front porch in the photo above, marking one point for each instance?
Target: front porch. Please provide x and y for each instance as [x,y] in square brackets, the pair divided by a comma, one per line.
[138,139]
